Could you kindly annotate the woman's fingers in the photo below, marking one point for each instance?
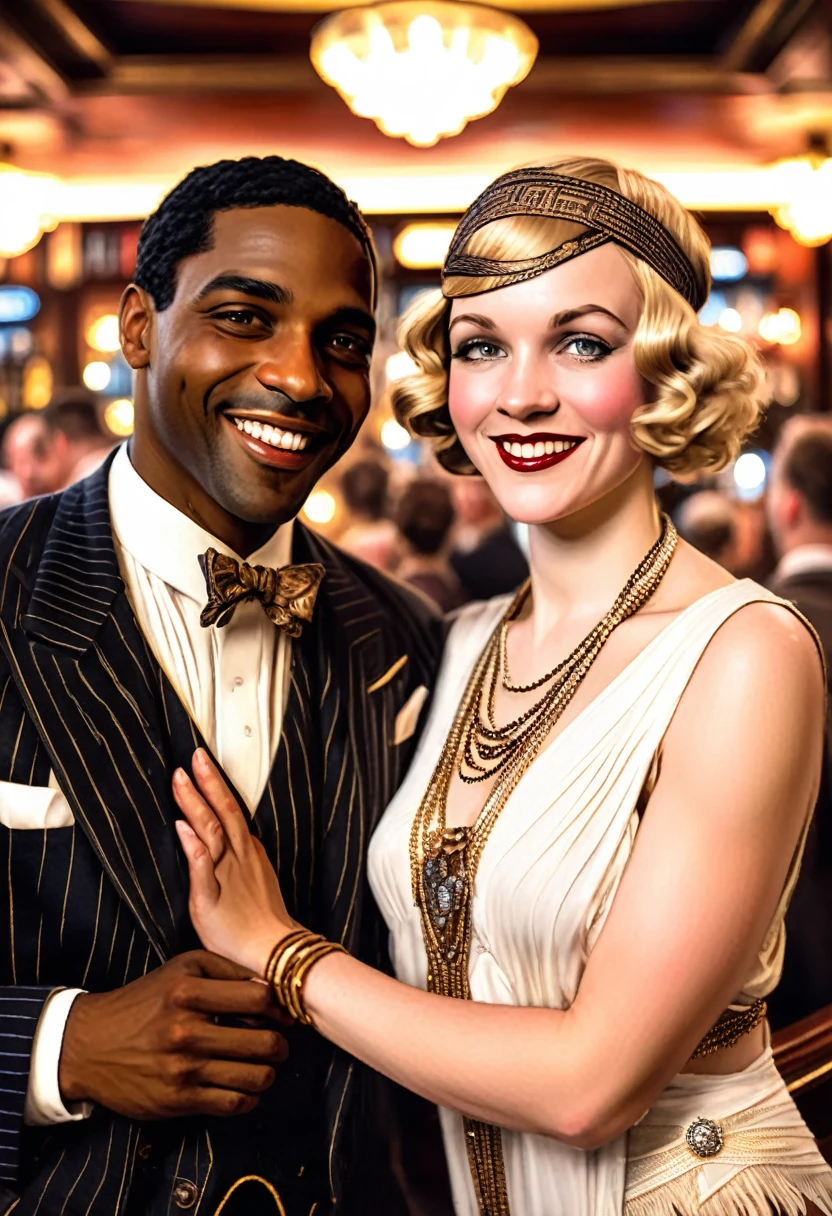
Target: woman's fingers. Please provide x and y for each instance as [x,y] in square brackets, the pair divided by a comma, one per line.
[199,814]
[205,889]
[219,797]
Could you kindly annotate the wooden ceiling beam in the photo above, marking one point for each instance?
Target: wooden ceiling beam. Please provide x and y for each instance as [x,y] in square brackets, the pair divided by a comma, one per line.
[756,27]
[75,32]
[31,63]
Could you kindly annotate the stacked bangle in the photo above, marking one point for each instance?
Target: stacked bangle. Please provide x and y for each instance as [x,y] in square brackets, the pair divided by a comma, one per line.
[289,963]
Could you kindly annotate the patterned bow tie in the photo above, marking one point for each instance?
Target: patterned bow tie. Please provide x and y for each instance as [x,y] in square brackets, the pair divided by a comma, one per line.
[287,595]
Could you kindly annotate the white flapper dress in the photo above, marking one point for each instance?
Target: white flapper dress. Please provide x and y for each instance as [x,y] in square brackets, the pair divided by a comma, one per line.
[546,880]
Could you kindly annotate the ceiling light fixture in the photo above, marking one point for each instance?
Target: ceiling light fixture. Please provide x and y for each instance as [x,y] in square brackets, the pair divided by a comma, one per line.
[422,69]
[808,214]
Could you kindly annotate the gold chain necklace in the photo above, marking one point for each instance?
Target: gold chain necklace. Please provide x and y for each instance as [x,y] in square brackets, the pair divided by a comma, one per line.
[444,861]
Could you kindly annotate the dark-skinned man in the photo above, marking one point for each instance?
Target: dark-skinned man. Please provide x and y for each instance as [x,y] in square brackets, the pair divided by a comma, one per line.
[142,1075]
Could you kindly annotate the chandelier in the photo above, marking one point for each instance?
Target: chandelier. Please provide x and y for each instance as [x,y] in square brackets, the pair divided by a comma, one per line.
[808,213]
[422,69]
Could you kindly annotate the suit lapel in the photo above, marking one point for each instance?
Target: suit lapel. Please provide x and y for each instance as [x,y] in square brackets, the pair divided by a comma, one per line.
[87,678]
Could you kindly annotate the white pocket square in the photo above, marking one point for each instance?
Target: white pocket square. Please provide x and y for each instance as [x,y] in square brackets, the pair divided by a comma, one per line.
[408,715]
[33,807]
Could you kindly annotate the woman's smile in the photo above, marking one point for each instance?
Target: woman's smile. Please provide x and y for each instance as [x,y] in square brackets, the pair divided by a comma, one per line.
[531,453]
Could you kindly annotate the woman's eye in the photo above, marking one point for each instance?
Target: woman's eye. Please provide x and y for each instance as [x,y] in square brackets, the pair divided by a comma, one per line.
[477,351]
[587,348]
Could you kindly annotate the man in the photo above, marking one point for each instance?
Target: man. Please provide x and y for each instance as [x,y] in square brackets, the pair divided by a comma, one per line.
[249,328]
[73,415]
[706,521]
[485,558]
[799,509]
[35,455]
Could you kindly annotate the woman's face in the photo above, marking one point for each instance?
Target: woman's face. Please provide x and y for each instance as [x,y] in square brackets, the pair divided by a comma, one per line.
[543,385]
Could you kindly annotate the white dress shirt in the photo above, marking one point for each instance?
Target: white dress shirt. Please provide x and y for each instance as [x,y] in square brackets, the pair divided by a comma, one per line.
[803,560]
[232,681]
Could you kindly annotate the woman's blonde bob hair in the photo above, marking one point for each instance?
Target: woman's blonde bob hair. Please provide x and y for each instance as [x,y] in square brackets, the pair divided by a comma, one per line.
[707,389]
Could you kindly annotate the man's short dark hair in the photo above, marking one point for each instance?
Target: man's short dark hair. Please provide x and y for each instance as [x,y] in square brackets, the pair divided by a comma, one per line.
[807,468]
[425,515]
[364,485]
[182,225]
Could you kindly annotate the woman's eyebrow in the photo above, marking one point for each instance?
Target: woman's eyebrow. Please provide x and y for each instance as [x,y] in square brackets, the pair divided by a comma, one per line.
[571,314]
[473,319]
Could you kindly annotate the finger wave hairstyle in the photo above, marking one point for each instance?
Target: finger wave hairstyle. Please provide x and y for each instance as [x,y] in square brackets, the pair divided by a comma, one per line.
[705,389]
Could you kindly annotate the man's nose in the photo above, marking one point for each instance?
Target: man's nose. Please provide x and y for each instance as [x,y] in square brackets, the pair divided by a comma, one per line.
[292,366]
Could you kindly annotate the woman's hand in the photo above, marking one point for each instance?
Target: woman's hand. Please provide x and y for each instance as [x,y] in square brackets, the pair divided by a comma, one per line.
[235,901]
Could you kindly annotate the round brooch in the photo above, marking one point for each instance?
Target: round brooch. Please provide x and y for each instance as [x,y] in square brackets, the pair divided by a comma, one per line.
[705,1137]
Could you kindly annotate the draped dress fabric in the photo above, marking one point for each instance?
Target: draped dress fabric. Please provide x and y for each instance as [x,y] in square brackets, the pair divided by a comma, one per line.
[546,881]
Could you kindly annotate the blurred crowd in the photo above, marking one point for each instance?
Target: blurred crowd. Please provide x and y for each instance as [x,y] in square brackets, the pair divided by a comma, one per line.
[43,451]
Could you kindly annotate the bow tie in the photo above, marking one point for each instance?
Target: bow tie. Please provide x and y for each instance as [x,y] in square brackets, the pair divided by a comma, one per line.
[287,594]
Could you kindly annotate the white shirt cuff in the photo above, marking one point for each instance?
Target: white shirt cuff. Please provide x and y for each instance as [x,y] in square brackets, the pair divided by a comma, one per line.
[44,1104]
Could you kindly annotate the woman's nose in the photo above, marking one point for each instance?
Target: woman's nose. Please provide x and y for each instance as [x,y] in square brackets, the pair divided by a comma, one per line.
[528,388]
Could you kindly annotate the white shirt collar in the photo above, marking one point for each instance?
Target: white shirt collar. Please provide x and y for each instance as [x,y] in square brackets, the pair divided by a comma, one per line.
[804,559]
[168,543]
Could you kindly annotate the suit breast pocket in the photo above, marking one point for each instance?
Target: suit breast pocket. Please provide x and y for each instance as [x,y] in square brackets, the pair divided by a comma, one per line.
[34,807]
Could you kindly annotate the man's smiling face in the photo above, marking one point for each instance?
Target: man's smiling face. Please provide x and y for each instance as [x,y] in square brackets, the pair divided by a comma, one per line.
[257,376]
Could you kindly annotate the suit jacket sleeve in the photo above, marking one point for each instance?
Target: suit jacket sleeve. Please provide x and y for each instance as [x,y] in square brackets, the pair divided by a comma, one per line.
[20,1010]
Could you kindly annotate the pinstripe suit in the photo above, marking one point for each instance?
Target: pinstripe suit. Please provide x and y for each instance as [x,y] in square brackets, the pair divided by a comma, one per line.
[98,904]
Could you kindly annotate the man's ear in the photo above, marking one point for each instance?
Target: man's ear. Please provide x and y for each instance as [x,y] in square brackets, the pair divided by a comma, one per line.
[136,312]
[793,507]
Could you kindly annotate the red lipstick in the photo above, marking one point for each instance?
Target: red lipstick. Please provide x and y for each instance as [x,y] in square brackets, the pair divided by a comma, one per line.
[556,448]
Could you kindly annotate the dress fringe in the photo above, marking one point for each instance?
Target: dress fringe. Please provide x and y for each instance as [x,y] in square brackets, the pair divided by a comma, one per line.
[758,1190]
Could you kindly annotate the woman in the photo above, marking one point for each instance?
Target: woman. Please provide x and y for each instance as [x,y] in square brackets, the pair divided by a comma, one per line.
[602,858]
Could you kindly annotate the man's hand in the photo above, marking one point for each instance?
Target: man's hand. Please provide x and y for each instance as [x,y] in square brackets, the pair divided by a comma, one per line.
[153,1050]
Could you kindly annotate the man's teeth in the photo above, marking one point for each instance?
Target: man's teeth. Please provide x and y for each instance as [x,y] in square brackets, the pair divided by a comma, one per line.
[290,440]
[533,451]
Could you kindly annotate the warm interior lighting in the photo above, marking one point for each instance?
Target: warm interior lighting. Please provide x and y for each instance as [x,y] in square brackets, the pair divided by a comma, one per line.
[422,69]
[118,417]
[103,334]
[808,213]
[38,382]
[399,365]
[26,209]
[423,246]
[782,328]
[394,437]
[96,376]
[319,507]
[730,320]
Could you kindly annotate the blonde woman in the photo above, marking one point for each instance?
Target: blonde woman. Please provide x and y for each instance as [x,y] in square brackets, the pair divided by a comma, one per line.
[586,871]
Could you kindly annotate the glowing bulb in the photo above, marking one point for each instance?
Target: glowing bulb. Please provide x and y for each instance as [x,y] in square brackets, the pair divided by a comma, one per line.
[118,417]
[423,246]
[728,263]
[319,507]
[730,320]
[96,376]
[783,328]
[103,334]
[393,436]
[400,365]
[749,472]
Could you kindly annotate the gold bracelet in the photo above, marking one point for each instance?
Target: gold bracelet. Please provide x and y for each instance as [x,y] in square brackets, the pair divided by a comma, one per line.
[288,965]
[295,993]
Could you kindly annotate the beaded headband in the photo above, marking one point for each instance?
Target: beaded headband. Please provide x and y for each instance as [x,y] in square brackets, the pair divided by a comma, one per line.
[606,214]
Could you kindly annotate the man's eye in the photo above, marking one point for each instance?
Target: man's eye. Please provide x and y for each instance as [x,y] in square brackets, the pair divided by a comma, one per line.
[238,316]
[353,345]
[477,350]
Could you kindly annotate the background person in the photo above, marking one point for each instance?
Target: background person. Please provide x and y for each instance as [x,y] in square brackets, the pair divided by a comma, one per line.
[799,509]
[371,534]
[35,454]
[485,556]
[424,517]
[706,521]
[74,415]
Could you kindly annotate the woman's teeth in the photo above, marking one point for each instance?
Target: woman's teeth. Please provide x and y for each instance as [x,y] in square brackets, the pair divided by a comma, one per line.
[292,441]
[532,451]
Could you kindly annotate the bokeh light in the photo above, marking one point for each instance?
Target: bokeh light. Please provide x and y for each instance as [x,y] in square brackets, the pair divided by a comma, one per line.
[96,376]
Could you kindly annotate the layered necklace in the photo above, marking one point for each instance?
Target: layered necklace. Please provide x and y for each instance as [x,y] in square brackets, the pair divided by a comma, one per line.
[444,860]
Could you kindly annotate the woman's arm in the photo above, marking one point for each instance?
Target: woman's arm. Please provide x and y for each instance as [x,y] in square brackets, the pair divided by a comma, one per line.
[739,773]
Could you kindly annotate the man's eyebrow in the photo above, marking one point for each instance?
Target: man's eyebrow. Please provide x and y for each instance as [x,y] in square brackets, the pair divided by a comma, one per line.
[352,316]
[474,319]
[572,314]
[261,289]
